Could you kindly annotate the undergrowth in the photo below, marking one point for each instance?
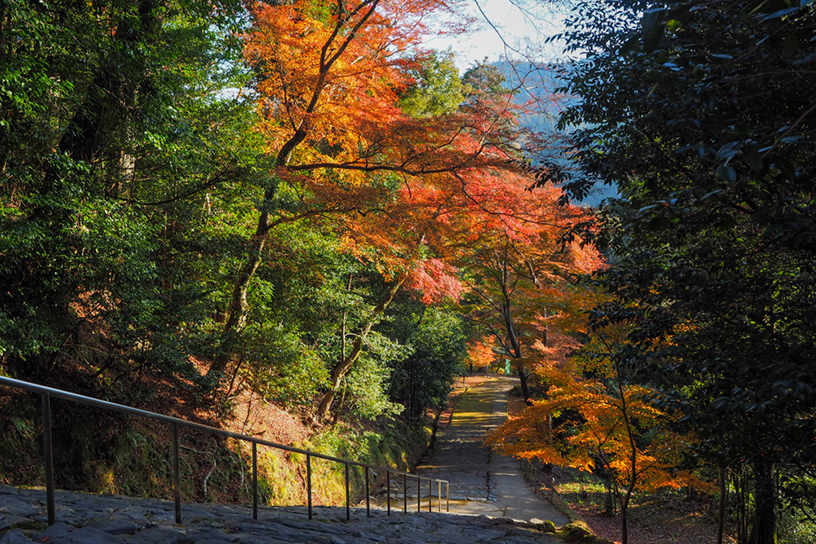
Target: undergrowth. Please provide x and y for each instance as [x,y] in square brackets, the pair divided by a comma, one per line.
[103,452]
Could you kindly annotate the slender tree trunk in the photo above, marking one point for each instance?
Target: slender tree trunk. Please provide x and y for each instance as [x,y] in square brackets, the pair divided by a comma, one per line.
[345,365]
[633,467]
[743,509]
[609,505]
[721,507]
[512,337]
[332,50]
[525,389]
[624,521]
[237,308]
[764,530]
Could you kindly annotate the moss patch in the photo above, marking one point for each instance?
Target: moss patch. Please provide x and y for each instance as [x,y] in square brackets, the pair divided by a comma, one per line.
[578,532]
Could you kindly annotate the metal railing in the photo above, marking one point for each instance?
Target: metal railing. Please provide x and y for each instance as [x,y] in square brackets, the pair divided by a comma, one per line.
[47,393]
[540,482]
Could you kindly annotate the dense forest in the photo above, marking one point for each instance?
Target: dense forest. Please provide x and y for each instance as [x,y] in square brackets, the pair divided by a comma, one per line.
[297,199]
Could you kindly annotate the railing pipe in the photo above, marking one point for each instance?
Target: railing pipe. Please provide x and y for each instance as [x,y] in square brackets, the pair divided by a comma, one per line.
[48,453]
[419,494]
[368,495]
[254,480]
[439,494]
[388,491]
[309,484]
[176,480]
[405,493]
[348,494]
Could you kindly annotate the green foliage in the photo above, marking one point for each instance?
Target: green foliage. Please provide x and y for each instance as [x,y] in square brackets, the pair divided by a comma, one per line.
[368,381]
[437,89]
[280,367]
[395,445]
[22,437]
[118,141]
[278,484]
[484,79]
[797,524]
[703,118]
[438,339]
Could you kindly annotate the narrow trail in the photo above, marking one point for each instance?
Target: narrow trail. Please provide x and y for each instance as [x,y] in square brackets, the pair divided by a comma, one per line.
[483,482]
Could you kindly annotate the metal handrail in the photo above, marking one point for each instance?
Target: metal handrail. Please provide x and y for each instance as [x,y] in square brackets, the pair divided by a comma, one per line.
[48,392]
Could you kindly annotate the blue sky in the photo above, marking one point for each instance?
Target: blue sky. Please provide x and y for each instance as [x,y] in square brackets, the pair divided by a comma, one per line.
[505,29]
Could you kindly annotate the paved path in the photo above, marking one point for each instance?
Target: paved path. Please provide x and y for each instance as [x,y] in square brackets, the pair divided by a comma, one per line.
[483,482]
[83,518]
[493,483]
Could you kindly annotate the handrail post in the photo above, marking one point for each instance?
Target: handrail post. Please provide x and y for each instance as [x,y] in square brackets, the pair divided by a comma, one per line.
[447,496]
[368,496]
[388,491]
[430,495]
[439,493]
[405,493]
[176,485]
[419,494]
[254,480]
[348,494]
[48,454]
[309,484]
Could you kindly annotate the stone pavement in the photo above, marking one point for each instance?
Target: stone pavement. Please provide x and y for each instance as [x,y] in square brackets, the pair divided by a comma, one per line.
[491,502]
[109,519]
[483,482]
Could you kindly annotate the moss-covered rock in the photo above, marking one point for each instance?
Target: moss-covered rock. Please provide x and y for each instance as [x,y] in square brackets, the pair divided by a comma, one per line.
[577,532]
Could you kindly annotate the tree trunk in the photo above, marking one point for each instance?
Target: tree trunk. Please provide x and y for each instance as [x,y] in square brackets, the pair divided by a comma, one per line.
[633,465]
[721,507]
[624,521]
[237,308]
[609,506]
[345,365]
[743,507]
[525,391]
[339,371]
[764,530]
[238,305]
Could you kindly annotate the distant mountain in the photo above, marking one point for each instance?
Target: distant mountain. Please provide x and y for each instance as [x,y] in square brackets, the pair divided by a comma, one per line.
[541,88]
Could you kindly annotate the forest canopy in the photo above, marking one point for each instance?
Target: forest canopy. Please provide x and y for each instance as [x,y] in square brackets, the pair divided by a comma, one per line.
[702,116]
[280,197]
[301,200]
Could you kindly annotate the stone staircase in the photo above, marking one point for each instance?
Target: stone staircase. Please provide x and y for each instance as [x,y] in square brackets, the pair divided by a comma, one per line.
[84,518]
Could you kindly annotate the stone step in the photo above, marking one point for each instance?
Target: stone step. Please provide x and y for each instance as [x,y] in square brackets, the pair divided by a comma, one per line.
[84,518]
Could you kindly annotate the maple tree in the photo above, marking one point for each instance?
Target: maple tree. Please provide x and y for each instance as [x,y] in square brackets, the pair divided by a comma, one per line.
[518,267]
[480,353]
[592,420]
[329,78]
[350,154]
